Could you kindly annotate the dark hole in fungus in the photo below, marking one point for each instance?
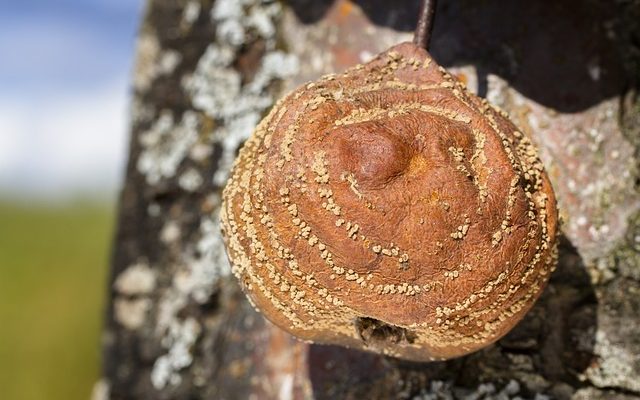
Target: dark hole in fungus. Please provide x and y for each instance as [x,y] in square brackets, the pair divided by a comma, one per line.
[374,332]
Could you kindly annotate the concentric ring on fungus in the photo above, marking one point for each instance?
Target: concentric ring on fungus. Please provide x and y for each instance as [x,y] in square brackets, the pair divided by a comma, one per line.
[389,209]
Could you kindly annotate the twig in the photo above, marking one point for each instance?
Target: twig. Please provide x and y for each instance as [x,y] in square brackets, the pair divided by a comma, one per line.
[425,24]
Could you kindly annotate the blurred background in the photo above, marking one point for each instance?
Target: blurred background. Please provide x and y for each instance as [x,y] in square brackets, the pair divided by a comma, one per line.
[64,90]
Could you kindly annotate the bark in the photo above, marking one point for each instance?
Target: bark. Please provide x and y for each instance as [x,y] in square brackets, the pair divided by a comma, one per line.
[177,325]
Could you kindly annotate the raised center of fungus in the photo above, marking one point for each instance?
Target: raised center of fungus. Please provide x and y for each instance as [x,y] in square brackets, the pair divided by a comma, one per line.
[373,152]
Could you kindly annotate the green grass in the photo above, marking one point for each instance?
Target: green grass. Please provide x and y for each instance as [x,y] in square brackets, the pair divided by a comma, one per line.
[53,268]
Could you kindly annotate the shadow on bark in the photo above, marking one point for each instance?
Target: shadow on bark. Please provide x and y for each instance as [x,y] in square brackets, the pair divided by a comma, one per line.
[555,340]
[564,55]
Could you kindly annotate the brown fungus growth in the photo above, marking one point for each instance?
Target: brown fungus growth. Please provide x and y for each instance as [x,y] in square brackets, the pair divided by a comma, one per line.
[388,209]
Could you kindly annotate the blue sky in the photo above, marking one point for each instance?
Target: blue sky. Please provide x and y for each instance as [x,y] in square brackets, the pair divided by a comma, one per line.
[64,77]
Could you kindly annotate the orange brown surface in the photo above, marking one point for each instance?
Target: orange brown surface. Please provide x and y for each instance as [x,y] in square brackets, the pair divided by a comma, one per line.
[390,210]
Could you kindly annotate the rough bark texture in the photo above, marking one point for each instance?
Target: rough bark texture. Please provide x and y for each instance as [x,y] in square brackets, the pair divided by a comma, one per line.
[178,326]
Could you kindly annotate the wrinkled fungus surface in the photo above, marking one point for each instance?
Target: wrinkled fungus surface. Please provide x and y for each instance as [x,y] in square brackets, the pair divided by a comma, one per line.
[389,209]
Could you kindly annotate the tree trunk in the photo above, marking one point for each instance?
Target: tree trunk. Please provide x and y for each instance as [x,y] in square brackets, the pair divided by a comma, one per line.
[177,325]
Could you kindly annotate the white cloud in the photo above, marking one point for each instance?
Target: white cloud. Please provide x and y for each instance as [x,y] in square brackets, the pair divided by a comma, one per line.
[60,143]
[10,122]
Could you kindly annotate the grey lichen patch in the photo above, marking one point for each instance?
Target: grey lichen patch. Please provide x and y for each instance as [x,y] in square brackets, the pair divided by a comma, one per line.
[166,144]
[141,111]
[154,210]
[191,13]
[168,62]
[152,61]
[444,390]
[138,279]
[133,286]
[180,339]
[170,233]
[101,390]
[591,393]
[250,104]
[207,265]
[190,180]
[227,107]
[231,136]
[616,367]
[217,88]
[131,313]
[215,84]
[624,259]
[148,50]
[202,266]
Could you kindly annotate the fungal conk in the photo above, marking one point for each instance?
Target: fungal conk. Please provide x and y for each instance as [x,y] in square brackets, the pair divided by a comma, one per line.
[389,209]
